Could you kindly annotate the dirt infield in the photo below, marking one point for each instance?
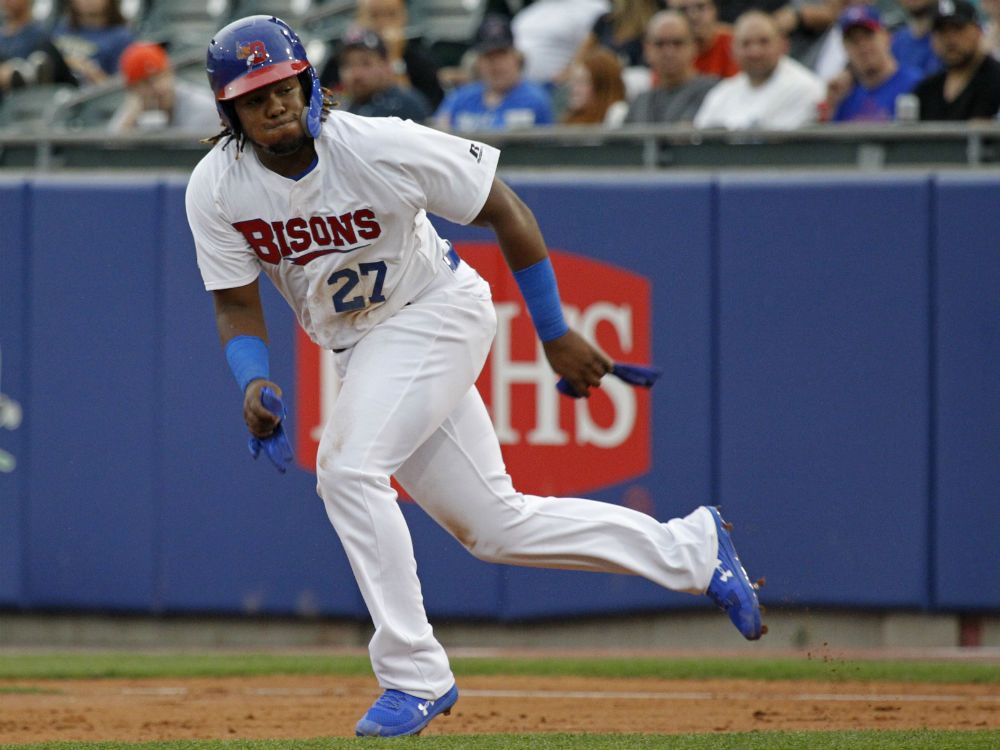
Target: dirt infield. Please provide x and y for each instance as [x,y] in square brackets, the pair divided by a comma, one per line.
[285,707]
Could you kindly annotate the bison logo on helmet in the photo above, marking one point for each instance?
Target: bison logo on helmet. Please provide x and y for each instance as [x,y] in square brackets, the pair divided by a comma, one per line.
[253,52]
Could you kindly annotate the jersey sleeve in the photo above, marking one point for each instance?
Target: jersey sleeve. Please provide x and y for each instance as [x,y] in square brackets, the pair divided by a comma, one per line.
[224,259]
[444,174]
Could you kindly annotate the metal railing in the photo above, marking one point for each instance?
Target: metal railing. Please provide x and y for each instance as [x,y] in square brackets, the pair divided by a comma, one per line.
[647,148]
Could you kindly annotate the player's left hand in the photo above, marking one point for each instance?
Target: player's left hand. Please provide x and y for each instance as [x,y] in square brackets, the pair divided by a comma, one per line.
[577,360]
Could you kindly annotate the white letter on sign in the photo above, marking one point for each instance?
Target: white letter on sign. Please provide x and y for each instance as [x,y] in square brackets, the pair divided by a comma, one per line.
[621,394]
[506,373]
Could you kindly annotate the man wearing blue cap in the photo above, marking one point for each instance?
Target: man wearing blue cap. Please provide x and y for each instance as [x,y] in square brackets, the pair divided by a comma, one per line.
[501,99]
[878,77]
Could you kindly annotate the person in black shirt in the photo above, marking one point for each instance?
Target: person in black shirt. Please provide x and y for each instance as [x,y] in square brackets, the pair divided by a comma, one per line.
[368,80]
[410,58]
[968,87]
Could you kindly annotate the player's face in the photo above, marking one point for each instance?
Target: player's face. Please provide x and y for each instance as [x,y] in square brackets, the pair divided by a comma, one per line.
[956,44]
[270,116]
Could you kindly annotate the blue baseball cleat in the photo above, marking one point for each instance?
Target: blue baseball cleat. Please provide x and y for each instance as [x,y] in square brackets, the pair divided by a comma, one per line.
[396,713]
[730,587]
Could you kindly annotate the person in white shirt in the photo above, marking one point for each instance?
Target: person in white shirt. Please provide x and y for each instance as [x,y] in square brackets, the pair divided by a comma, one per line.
[772,92]
[335,210]
[549,32]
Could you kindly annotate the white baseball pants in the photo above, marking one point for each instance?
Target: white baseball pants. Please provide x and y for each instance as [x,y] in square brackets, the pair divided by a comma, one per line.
[408,407]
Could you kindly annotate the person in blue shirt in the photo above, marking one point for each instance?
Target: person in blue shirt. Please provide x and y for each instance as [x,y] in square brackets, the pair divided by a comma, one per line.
[502,99]
[878,77]
[27,55]
[92,37]
[911,44]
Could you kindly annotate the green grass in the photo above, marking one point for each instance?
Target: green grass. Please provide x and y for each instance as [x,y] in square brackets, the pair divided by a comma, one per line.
[910,740]
[80,665]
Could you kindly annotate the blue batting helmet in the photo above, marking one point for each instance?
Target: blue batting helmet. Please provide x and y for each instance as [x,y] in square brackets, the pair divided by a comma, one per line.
[254,52]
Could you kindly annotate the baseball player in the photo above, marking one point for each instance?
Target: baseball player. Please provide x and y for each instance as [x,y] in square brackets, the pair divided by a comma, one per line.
[333,209]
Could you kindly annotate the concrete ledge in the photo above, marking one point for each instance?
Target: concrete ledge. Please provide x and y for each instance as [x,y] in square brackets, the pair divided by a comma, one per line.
[788,630]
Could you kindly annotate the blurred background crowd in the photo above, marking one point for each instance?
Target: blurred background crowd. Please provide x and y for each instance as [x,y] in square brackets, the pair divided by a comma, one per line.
[468,65]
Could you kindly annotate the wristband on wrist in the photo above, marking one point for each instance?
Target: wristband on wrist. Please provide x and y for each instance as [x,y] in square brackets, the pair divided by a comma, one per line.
[248,359]
[541,294]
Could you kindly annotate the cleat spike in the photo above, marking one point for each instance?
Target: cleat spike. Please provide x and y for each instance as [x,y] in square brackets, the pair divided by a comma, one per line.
[763,629]
[727,526]
[760,582]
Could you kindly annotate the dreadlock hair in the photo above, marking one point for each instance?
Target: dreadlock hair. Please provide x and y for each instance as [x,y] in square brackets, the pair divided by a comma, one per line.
[235,134]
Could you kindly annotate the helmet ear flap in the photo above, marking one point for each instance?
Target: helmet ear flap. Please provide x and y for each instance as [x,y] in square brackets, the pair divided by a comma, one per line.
[312,115]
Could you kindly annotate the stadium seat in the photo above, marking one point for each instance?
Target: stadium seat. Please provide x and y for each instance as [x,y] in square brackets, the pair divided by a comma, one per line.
[183,24]
[31,109]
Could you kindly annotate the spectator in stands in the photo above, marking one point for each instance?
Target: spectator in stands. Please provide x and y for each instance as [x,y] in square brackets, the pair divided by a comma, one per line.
[730,10]
[911,44]
[991,29]
[409,57]
[714,40]
[370,83]
[879,79]
[157,99]
[968,88]
[808,25]
[670,50]
[92,37]
[596,90]
[501,99]
[27,55]
[549,32]
[622,29]
[773,91]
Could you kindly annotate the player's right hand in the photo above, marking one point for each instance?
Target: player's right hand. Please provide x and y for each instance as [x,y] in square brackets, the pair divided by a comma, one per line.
[260,421]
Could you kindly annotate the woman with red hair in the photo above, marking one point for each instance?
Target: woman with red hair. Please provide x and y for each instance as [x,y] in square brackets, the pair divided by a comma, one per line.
[596,90]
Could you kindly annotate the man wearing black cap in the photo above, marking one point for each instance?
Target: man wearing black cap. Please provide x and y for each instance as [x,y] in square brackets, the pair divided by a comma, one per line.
[369,82]
[501,98]
[969,86]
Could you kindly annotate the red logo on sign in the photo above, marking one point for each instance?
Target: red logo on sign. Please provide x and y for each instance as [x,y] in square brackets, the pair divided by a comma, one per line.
[552,445]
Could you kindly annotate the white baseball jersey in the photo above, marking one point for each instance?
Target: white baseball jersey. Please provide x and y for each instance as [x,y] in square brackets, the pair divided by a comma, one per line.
[348,244]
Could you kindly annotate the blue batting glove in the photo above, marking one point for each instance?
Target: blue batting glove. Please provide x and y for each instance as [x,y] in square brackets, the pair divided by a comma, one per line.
[275,445]
[636,375]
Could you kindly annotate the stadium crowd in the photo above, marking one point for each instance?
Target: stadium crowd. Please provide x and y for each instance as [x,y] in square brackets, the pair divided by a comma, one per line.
[733,64]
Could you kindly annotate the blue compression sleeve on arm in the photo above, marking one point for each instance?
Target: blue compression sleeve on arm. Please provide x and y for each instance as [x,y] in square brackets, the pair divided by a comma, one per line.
[248,359]
[541,294]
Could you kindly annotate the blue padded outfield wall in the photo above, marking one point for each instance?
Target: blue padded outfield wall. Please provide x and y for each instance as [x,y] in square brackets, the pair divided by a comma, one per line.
[830,347]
